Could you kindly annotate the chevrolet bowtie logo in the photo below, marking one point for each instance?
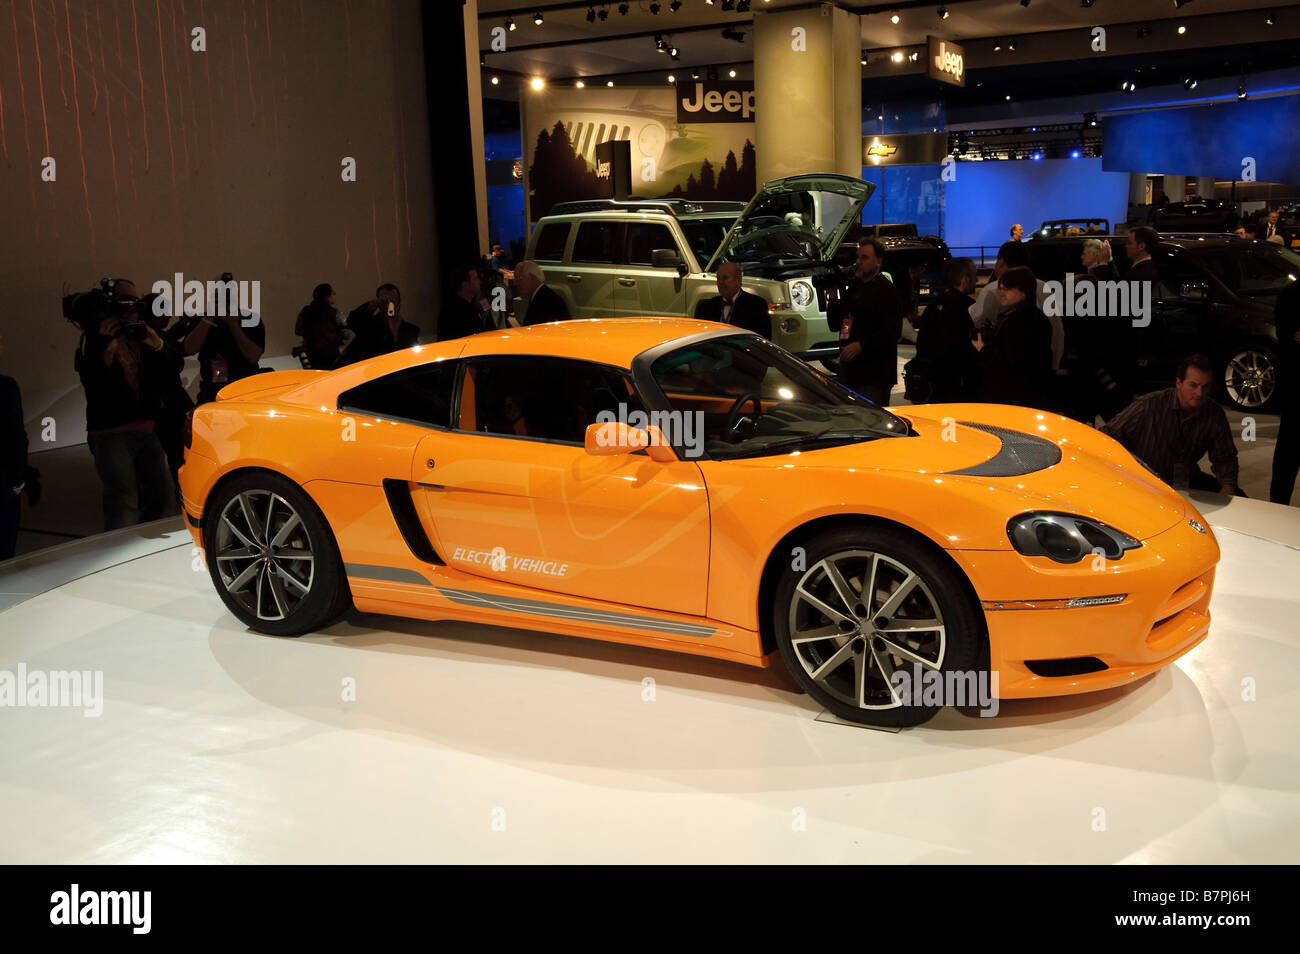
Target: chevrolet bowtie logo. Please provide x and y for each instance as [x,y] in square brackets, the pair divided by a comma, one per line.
[881,149]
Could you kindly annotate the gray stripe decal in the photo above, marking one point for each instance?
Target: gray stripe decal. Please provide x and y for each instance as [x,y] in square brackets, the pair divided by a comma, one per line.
[390,574]
[558,610]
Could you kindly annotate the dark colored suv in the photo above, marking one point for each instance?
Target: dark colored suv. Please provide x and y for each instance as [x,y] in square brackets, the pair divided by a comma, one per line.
[1216,295]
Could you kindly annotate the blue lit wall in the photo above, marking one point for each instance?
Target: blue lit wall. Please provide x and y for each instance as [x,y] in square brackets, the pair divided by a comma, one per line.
[905,194]
[987,197]
[1213,140]
[505,202]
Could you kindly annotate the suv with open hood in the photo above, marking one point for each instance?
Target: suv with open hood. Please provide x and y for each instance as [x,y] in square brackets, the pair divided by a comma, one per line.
[656,258]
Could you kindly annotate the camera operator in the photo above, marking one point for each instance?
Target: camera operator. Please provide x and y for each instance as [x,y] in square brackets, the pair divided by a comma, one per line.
[229,344]
[124,368]
[379,327]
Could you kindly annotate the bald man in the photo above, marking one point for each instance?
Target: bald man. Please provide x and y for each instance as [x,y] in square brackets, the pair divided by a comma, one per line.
[735,306]
[544,303]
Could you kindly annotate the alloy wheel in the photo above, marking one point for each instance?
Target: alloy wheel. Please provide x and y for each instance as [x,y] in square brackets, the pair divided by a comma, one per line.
[857,617]
[1250,378]
[264,554]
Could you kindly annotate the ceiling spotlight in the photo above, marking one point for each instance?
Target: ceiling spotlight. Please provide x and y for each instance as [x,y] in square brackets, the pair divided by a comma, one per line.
[603,14]
[1090,118]
[1036,156]
[1074,153]
[1024,3]
[1181,30]
[997,45]
[731,73]
[1129,87]
[1008,97]
[695,74]
[1189,83]
[943,13]
[711,74]
[510,24]
[675,6]
[591,14]
[661,44]
[914,56]
[1012,46]
[898,56]
[1144,31]
[537,82]
[673,51]
[622,9]
[1086,3]
[672,78]
[742,6]
[894,19]
[537,18]
[495,81]
[1269,19]
[580,84]
[728,4]
[1241,91]
[863,59]
[1179,4]
[654,9]
[609,82]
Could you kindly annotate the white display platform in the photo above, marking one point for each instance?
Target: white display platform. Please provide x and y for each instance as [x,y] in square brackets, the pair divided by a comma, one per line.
[468,743]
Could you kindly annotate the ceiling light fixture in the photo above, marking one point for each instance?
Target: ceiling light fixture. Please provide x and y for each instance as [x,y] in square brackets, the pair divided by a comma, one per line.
[609,82]
[1144,31]
[1241,91]
[591,14]
[622,11]
[731,73]
[510,24]
[672,78]
[1189,83]
[654,9]
[495,81]
[742,6]
[894,19]
[603,14]
[674,6]
[1179,4]
[538,20]
[1011,47]
[943,13]
[537,82]
[580,84]
[1181,29]
[898,56]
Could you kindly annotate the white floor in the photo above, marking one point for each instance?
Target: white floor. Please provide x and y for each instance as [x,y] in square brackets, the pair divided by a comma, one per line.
[474,744]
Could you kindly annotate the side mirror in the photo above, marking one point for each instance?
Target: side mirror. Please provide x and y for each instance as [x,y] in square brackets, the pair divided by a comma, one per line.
[1195,291]
[612,438]
[665,258]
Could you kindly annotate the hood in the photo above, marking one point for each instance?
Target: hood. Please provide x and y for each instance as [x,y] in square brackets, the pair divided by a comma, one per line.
[1012,467]
[817,210]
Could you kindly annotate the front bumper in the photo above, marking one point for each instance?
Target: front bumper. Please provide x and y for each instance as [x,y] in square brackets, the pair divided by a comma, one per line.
[1039,651]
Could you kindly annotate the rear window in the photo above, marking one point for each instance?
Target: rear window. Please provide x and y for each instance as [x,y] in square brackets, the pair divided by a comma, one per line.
[597,242]
[551,239]
[421,395]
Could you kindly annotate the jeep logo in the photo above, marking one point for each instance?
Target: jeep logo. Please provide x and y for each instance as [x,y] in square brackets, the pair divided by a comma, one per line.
[602,170]
[716,103]
[947,61]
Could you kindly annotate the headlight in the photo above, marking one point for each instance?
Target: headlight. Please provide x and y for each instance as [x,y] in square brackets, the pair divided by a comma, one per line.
[801,294]
[1066,538]
[790,325]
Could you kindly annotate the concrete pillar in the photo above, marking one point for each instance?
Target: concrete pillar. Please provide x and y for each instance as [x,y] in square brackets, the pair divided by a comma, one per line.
[1175,187]
[807,92]
[1205,187]
[474,78]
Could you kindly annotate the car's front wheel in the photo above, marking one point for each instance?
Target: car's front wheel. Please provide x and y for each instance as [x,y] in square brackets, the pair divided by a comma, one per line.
[868,618]
[272,556]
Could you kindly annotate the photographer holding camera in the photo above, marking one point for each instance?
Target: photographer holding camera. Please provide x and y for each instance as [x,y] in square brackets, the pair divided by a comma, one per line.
[229,344]
[124,367]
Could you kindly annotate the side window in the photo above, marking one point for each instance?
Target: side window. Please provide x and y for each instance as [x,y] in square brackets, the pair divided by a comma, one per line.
[551,399]
[644,237]
[596,242]
[1174,269]
[551,239]
[422,394]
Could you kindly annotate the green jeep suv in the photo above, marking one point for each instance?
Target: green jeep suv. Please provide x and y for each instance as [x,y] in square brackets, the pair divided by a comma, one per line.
[659,257]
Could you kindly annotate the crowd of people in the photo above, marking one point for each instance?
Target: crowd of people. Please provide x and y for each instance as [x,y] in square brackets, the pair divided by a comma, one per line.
[993,345]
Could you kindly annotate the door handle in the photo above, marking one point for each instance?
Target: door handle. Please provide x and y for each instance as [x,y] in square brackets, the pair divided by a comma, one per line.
[627,282]
[574,278]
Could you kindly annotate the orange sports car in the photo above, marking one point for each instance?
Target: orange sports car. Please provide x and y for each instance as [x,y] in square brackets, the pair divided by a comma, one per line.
[677,484]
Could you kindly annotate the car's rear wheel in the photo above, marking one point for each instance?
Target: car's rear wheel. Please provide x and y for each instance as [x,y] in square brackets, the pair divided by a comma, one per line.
[1250,376]
[864,619]
[272,556]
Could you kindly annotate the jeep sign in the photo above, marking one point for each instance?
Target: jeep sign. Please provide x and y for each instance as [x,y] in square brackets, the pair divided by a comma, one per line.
[715,103]
[946,61]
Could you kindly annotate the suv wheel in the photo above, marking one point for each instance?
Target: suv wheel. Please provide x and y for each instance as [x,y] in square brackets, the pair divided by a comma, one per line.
[1250,376]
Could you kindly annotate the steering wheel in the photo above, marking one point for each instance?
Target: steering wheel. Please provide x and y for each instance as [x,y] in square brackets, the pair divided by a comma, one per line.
[733,415]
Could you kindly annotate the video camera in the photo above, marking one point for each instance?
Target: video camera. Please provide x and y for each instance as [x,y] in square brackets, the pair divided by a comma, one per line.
[90,309]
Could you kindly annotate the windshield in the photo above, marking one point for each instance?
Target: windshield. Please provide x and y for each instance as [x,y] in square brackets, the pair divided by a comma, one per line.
[705,235]
[1257,268]
[753,399]
[787,225]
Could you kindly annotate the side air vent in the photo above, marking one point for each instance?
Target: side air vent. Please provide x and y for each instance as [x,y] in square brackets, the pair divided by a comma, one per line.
[408,523]
[1057,668]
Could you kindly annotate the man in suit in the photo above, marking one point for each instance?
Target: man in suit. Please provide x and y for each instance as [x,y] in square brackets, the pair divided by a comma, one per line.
[543,302]
[735,306]
[460,315]
[1270,230]
[1142,244]
[868,319]
[1286,453]
[13,462]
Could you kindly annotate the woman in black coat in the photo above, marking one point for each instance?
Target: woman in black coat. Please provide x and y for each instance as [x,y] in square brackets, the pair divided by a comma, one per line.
[1015,357]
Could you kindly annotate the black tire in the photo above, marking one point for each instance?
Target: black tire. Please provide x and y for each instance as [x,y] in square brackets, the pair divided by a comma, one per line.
[1249,376]
[958,643]
[291,580]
